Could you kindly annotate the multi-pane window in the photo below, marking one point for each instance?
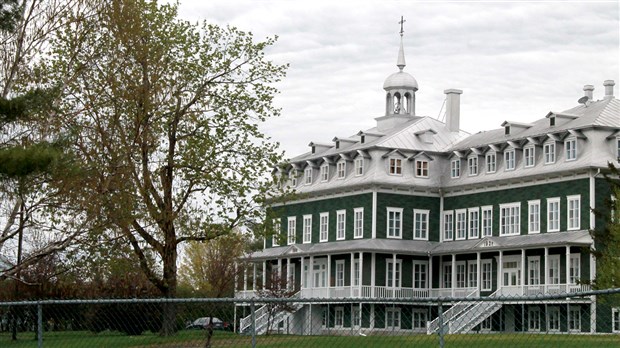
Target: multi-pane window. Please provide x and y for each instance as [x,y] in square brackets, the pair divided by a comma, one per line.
[574,269]
[509,159]
[474,217]
[339,317]
[510,218]
[533,319]
[553,318]
[324,172]
[472,165]
[533,270]
[340,273]
[356,272]
[573,212]
[393,274]
[420,276]
[448,223]
[293,178]
[395,167]
[308,176]
[277,228]
[455,168]
[491,161]
[461,224]
[394,222]
[461,274]
[447,275]
[420,224]
[358,222]
[487,221]
[292,222]
[549,152]
[574,318]
[341,169]
[487,272]
[359,166]
[421,168]
[472,269]
[357,317]
[533,216]
[553,214]
[529,156]
[392,318]
[553,277]
[615,319]
[570,147]
[340,224]
[323,227]
[307,228]
[420,317]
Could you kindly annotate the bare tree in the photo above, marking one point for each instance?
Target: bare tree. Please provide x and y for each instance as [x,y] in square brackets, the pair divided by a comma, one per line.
[277,287]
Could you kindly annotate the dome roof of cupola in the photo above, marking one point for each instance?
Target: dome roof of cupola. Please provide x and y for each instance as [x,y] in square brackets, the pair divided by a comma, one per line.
[400,80]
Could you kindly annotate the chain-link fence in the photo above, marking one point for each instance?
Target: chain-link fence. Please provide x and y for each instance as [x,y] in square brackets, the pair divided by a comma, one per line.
[563,320]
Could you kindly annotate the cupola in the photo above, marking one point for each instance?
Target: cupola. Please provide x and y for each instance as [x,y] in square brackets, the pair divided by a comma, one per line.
[400,87]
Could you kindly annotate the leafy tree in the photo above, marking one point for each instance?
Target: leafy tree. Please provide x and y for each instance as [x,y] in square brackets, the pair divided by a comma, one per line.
[165,116]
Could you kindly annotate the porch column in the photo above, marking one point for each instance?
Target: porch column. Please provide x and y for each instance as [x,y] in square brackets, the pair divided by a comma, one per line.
[264,274]
[236,287]
[245,279]
[479,273]
[329,271]
[279,276]
[373,264]
[453,275]
[254,276]
[430,274]
[567,267]
[394,270]
[544,277]
[302,281]
[288,273]
[500,267]
[523,271]
[361,274]
[352,268]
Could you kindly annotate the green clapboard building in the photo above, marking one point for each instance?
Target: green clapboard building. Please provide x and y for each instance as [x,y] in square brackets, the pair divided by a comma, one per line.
[416,208]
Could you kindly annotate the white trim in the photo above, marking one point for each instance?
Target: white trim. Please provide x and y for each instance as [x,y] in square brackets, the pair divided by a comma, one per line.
[324,172]
[340,263]
[425,230]
[512,161]
[572,310]
[323,217]
[526,150]
[554,310]
[358,165]
[374,215]
[400,221]
[427,169]
[472,163]
[534,317]
[398,270]
[536,276]
[455,168]
[397,166]
[530,204]
[308,176]
[551,202]
[475,210]
[484,209]
[341,174]
[291,230]
[307,227]
[489,281]
[341,226]
[574,150]
[356,220]
[490,154]
[451,214]
[549,152]
[569,199]
[615,319]
[277,230]
[512,227]
[458,223]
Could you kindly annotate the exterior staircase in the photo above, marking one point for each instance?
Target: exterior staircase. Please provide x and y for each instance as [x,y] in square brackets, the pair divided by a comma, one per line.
[262,318]
[465,315]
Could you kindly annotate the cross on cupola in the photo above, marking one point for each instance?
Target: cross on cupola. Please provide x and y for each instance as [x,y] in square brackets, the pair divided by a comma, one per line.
[402,21]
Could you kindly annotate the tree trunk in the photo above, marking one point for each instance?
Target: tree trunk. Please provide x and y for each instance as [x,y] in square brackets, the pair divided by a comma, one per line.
[169,314]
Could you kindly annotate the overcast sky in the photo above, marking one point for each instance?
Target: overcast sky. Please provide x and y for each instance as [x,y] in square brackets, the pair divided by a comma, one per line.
[513,60]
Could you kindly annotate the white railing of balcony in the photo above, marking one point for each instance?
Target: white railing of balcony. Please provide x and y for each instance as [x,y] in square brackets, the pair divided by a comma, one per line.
[542,289]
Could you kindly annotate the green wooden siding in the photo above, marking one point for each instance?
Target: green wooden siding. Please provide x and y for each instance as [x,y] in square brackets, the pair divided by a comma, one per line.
[408,203]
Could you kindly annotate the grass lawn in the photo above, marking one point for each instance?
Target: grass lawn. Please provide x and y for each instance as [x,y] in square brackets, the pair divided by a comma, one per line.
[231,340]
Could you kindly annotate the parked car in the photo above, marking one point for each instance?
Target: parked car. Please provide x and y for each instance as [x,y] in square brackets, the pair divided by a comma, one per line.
[203,323]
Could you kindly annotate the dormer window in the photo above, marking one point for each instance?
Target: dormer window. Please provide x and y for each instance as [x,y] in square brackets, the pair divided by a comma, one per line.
[529,153]
[509,159]
[308,176]
[491,162]
[313,149]
[363,139]
[570,147]
[455,168]
[338,144]
[359,166]
[549,152]
[324,172]
[341,169]
[472,165]
[552,121]
[507,130]
[395,166]
[421,168]
[293,178]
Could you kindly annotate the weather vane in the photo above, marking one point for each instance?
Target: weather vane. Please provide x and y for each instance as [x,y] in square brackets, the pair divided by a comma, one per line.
[402,21]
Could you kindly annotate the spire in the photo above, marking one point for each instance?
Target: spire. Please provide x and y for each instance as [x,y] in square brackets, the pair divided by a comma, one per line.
[401,52]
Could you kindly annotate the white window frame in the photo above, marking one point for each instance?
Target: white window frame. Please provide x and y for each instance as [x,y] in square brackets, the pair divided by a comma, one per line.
[553,318]
[307,219]
[448,225]
[420,217]
[533,319]
[324,227]
[549,152]
[574,317]
[419,319]
[277,230]
[486,219]
[338,317]
[491,162]
[472,274]
[472,165]
[358,223]
[510,219]
[533,270]
[486,275]
[324,172]
[570,149]
[574,269]
[395,231]
[446,275]
[421,168]
[389,282]
[392,315]
[461,274]
[573,212]
[292,175]
[473,223]
[460,217]
[455,168]
[308,176]
[341,224]
[529,156]
[553,274]
[291,231]
[615,319]
[358,165]
[356,316]
[341,169]
[340,273]
[510,159]
[420,274]
[533,216]
[356,272]
[395,166]
[553,214]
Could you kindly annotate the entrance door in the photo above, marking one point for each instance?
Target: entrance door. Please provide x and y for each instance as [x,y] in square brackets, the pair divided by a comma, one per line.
[319,270]
[511,277]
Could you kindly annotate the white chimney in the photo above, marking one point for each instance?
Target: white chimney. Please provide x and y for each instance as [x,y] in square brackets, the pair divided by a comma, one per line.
[453,109]
[588,89]
[609,89]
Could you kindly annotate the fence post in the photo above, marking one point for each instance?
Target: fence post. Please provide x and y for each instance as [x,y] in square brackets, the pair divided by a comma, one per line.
[39,325]
[253,319]
[441,327]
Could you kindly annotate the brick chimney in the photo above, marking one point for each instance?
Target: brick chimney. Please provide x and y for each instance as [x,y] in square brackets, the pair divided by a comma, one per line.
[453,109]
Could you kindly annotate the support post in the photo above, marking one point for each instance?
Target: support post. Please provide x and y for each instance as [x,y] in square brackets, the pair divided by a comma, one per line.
[441,326]
[39,325]
[253,326]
